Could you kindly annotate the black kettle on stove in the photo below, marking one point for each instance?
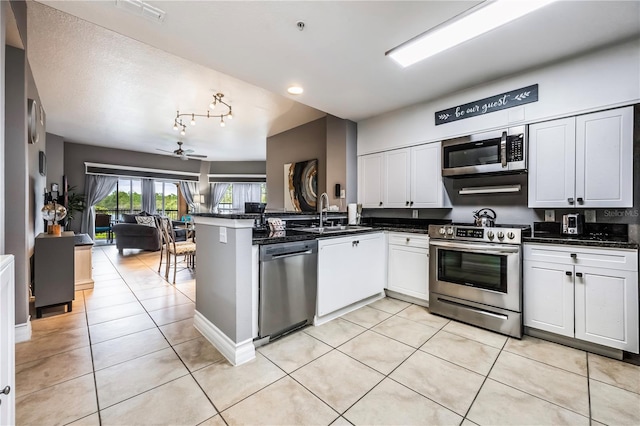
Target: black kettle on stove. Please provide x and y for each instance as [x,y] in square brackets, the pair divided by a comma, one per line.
[484,217]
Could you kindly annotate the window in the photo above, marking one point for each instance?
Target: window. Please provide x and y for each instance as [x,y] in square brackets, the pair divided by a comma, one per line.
[227,200]
[127,198]
[239,193]
[167,199]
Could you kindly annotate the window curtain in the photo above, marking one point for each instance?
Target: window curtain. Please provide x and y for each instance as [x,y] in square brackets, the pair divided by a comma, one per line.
[245,192]
[149,196]
[216,192]
[96,188]
[189,191]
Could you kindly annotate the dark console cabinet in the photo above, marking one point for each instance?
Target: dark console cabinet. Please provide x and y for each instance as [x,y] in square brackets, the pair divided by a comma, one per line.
[54,282]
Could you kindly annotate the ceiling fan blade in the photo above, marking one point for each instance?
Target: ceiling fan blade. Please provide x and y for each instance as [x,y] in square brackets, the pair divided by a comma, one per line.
[164,150]
[196,156]
[188,151]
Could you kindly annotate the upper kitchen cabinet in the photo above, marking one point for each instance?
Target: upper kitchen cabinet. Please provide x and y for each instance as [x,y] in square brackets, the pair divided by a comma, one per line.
[411,178]
[370,174]
[584,161]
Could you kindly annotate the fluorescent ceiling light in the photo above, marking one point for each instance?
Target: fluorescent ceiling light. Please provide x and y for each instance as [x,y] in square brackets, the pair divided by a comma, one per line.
[476,21]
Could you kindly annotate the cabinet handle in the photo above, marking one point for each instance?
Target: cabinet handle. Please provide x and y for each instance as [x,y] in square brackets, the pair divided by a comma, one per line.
[568,273]
[406,203]
[380,204]
[6,390]
[580,200]
[411,203]
[408,239]
[574,256]
[570,200]
[579,274]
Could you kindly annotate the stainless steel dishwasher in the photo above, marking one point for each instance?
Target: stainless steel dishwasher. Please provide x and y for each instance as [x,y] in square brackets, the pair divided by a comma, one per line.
[288,287]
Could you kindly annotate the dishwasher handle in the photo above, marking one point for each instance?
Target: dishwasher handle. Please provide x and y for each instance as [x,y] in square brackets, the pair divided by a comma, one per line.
[272,252]
[295,253]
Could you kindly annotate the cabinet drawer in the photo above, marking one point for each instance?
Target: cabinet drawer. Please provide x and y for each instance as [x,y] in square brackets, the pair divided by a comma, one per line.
[407,239]
[620,259]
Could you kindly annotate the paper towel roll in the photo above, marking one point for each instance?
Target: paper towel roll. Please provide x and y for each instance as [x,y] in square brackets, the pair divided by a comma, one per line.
[352,210]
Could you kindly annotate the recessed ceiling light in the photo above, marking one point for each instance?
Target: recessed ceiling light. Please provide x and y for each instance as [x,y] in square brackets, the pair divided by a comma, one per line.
[476,21]
[295,90]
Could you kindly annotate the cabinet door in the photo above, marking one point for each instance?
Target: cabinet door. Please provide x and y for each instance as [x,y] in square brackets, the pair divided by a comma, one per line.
[7,340]
[349,269]
[396,178]
[604,159]
[409,271]
[370,174]
[607,307]
[552,163]
[427,189]
[548,297]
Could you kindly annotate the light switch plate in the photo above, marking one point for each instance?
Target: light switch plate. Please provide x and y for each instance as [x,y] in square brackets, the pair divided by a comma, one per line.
[223,234]
[590,216]
[414,214]
[343,193]
[549,215]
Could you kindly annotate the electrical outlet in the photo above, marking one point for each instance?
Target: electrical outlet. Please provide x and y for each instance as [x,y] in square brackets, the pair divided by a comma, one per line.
[549,215]
[343,193]
[590,216]
[414,214]
[223,234]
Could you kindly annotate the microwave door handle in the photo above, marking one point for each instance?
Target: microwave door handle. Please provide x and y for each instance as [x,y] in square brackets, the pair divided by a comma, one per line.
[503,149]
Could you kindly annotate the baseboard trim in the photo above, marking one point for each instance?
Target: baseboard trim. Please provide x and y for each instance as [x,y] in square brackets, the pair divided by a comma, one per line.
[23,331]
[340,312]
[406,298]
[236,353]
[84,285]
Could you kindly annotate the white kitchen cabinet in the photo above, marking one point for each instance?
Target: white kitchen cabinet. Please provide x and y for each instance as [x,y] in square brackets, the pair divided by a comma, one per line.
[370,177]
[402,178]
[350,269]
[584,161]
[7,340]
[408,271]
[587,293]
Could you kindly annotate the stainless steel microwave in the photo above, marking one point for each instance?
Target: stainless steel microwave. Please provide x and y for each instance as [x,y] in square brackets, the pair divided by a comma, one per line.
[498,151]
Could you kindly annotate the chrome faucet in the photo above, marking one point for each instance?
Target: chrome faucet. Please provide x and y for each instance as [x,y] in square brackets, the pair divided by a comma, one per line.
[323,196]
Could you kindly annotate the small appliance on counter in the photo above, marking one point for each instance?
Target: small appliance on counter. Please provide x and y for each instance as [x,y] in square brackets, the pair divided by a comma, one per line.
[485,217]
[572,224]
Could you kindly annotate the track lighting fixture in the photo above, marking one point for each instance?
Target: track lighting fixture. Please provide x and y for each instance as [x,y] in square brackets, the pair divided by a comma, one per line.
[217,100]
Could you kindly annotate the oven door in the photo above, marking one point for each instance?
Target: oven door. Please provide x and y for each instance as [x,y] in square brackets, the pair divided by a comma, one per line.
[483,273]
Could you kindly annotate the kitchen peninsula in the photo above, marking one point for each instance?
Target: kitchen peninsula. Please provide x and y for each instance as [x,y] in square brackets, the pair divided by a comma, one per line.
[227,277]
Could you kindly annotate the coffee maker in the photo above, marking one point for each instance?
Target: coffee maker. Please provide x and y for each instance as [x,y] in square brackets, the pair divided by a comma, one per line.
[572,224]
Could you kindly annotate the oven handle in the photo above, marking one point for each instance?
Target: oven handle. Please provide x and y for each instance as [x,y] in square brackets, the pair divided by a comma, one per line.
[479,311]
[477,248]
[503,149]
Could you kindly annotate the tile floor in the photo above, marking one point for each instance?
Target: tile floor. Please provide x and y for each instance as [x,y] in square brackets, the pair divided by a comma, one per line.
[128,354]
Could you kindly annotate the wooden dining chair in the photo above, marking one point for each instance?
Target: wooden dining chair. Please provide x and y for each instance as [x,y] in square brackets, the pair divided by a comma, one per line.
[175,249]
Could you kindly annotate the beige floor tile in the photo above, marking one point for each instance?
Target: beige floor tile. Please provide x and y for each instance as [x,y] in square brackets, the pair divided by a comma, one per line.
[90,420]
[335,332]
[120,327]
[98,291]
[294,351]
[122,381]
[114,312]
[198,353]
[125,348]
[498,404]
[284,402]
[214,421]
[59,404]
[614,372]
[614,406]
[341,421]
[63,322]
[478,334]
[390,403]
[422,315]
[151,293]
[467,422]
[188,406]
[464,352]
[378,352]
[180,331]
[51,344]
[337,379]
[45,372]
[108,280]
[173,314]
[550,353]
[389,305]
[552,384]
[226,385]
[366,317]
[109,301]
[441,381]
[163,302]
[406,331]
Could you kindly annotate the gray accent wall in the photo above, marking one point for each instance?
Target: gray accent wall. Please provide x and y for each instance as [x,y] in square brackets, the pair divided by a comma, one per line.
[342,162]
[4,10]
[237,167]
[55,160]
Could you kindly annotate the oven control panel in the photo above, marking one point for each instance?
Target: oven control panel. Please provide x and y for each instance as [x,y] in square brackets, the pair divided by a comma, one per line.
[473,233]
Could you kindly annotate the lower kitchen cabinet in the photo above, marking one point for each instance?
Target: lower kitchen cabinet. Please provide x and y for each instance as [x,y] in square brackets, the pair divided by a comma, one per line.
[589,294]
[409,264]
[349,269]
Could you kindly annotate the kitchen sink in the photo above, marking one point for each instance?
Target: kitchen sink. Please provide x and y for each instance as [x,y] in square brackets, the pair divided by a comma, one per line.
[334,229]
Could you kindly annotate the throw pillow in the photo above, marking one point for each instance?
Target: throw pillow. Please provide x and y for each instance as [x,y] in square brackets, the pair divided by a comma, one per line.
[146,220]
[129,218]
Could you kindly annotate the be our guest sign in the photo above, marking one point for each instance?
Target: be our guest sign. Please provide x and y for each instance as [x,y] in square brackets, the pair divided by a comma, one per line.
[506,100]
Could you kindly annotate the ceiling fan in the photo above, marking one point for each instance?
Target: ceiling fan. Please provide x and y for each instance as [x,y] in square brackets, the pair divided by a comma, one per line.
[183,154]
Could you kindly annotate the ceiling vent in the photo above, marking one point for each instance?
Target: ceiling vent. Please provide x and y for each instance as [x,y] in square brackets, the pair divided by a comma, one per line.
[140,8]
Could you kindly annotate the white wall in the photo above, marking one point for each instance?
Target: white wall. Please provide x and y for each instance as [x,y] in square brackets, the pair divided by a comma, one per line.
[600,80]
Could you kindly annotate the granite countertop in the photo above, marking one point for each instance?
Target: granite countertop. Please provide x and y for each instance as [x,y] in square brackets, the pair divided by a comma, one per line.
[291,235]
[82,240]
[228,215]
[578,242]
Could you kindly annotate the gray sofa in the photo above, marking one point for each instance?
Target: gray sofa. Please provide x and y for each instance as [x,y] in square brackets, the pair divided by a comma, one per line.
[131,235]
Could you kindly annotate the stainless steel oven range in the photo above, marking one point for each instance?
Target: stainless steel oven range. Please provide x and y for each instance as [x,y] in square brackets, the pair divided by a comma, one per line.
[475,275]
